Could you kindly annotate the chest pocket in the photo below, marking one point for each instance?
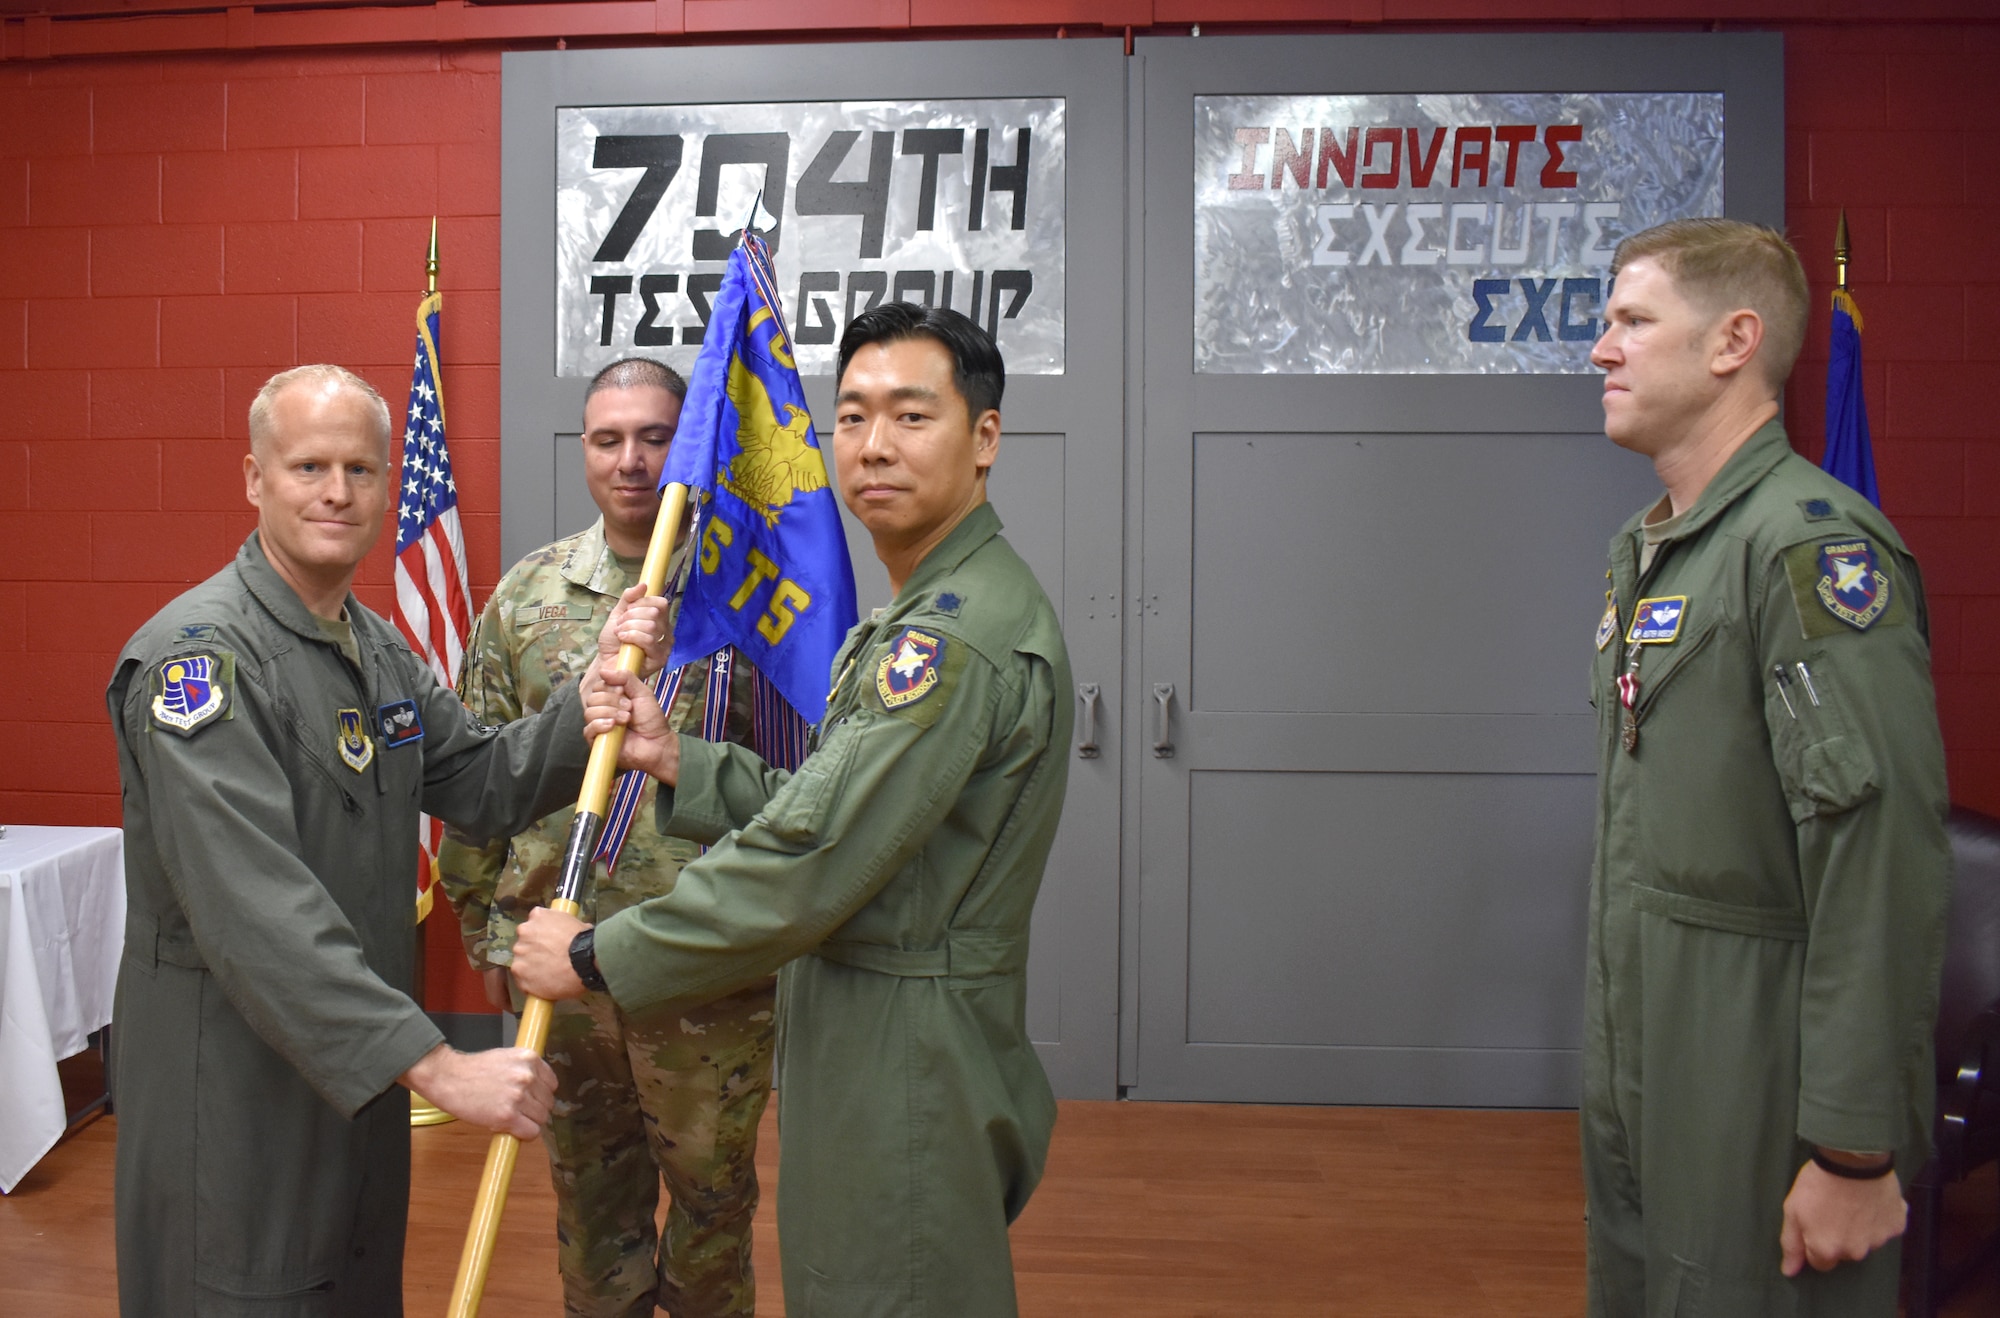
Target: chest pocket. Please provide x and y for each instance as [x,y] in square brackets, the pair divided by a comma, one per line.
[797,815]
[1824,766]
[1657,671]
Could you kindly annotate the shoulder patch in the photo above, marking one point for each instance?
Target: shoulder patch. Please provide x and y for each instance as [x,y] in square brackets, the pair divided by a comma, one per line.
[193,690]
[1657,621]
[1841,585]
[1817,510]
[910,670]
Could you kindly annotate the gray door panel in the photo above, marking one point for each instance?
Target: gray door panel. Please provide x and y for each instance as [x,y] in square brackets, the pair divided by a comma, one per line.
[1362,870]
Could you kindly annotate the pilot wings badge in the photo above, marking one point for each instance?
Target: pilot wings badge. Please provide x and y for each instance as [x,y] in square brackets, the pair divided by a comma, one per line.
[910,669]
[1851,586]
[192,689]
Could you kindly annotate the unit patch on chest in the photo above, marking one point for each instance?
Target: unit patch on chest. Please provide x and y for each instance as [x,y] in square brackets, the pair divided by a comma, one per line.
[400,724]
[1607,626]
[192,690]
[357,751]
[1657,621]
[909,671]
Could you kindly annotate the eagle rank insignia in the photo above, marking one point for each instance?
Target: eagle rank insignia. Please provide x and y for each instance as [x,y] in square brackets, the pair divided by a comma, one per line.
[356,750]
[192,690]
[1851,586]
[910,669]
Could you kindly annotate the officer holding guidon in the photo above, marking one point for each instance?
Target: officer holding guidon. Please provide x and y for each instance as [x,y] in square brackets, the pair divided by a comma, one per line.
[1768,898]
[644,1095]
[892,876]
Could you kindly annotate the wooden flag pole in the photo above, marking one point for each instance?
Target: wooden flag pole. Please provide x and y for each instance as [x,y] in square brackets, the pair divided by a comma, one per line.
[598,778]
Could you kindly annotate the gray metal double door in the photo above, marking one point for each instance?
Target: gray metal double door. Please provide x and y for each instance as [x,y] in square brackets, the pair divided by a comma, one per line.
[1352,606]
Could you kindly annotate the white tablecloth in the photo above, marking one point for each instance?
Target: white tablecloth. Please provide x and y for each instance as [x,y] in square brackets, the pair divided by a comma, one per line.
[62,929]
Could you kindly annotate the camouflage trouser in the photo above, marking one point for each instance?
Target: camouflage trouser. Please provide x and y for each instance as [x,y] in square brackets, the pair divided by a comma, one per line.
[658,1094]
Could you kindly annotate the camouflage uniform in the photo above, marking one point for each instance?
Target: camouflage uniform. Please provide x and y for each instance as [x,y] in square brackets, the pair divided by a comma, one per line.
[680,1090]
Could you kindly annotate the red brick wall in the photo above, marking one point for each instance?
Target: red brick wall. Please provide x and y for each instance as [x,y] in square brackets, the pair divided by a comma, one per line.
[173,229]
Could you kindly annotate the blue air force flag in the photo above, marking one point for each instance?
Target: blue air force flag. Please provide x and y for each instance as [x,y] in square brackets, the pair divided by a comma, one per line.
[771,576]
[1849,457]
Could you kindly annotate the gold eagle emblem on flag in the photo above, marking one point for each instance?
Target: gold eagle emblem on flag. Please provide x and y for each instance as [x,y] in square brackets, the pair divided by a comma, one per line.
[773,461]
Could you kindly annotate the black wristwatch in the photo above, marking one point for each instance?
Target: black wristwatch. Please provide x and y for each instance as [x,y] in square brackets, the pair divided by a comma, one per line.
[583,959]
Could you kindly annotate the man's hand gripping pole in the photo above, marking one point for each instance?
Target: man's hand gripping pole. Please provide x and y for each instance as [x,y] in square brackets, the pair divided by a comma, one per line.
[598,778]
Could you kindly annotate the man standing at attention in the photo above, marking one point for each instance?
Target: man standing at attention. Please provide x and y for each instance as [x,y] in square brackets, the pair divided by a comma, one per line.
[276,741]
[1768,899]
[892,876]
[645,1094]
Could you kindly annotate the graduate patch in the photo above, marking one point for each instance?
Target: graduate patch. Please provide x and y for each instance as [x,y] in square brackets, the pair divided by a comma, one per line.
[190,690]
[1607,626]
[356,750]
[1850,585]
[1657,621]
[910,669]
[400,724]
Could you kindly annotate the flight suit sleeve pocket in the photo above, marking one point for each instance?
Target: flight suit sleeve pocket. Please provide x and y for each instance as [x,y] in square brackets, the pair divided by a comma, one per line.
[1825,768]
[797,815]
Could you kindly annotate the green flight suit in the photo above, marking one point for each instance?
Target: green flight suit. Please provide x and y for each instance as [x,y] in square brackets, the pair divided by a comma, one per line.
[899,865]
[273,771]
[1768,898]
[641,1097]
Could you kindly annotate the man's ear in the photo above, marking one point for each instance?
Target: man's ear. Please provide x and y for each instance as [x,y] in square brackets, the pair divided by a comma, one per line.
[986,439]
[253,479]
[1737,338]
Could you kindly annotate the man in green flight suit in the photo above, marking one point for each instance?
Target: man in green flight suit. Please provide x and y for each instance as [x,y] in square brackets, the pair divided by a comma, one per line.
[1768,899]
[276,743]
[643,1095]
[892,876]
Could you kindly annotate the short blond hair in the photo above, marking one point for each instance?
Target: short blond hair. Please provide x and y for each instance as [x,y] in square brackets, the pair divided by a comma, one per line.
[319,374]
[1722,265]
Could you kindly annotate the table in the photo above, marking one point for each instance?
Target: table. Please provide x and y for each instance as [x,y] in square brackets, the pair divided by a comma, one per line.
[62,931]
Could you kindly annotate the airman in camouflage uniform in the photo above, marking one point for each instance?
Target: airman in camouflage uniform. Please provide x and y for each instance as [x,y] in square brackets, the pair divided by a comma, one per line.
[679,1090]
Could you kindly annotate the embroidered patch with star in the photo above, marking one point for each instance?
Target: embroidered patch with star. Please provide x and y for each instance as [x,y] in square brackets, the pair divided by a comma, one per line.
[1657,621]
[190,690]
[1851,586]
[400,724]
[1607,626]
[910,670]
[356,750]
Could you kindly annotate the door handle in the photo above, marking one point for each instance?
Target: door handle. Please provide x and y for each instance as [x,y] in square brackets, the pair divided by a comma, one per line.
[1163,727]
[1086,746]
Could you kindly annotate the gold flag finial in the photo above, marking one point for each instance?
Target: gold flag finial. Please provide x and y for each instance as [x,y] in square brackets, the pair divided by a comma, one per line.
[431,261]
[1840,251]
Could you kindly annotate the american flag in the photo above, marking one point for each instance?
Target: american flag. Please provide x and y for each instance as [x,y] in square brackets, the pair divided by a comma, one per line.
[431,610]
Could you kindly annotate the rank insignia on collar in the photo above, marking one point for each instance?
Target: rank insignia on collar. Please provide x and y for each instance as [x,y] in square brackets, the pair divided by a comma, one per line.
[910,669]
[356,750]
[1607,626]
[949,602]
[1657,621]
[400,724]
[1851,586]
[193,688]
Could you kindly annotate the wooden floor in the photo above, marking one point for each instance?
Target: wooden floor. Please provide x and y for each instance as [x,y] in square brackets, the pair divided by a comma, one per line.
[1162,1210]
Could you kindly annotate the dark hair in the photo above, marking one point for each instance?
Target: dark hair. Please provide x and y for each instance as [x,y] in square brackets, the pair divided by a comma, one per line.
[637,373]
[976,367]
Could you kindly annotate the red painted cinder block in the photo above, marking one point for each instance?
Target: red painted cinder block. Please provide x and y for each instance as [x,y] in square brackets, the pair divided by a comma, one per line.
[1982,472]
[1942,400]
[14,193]
[392,254]
[341,182]
[93,331]
[72,757]
[202,475]
[94,190]
[45,263]
[182,116]
[472,399]
[482,553]
[1812,230]
[1903,322]
[13,476]
[44,405]
[316,111]
[63,809]
[1979,634]
[309,256]
[1957,553]
[177,546]
[1889,168]
[239,386]
[249,329]
[356,329]
[1969,710]
[434,107]
[1982,168]
[469,178]
[71,475]
[13,615]
[68,686]
[155,404]
[43,121]
[44,546]
[475,247]
[13,333]
[1921,478]
[151,259]
[1947,625]
[1935,88]
[1832,83]
[230,186]
[473,330]
[475,469]
[1940,246]
[52,607]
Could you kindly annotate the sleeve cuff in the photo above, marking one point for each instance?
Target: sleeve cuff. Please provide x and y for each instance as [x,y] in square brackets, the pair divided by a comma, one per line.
[693,810]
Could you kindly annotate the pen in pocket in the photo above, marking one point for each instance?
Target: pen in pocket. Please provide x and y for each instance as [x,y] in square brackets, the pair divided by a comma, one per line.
[1778,674]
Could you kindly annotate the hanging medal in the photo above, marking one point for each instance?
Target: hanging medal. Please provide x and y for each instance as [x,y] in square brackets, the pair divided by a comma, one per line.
[1628,698]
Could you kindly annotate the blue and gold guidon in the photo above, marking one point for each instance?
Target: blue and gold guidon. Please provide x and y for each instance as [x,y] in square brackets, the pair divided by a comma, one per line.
[1657,621]
[771,575]
[1851,584]
[351,737]
[910,670]
[190,690]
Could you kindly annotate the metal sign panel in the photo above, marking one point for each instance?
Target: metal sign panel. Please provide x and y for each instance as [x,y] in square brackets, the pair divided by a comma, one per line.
[1422,234]
[956,203]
